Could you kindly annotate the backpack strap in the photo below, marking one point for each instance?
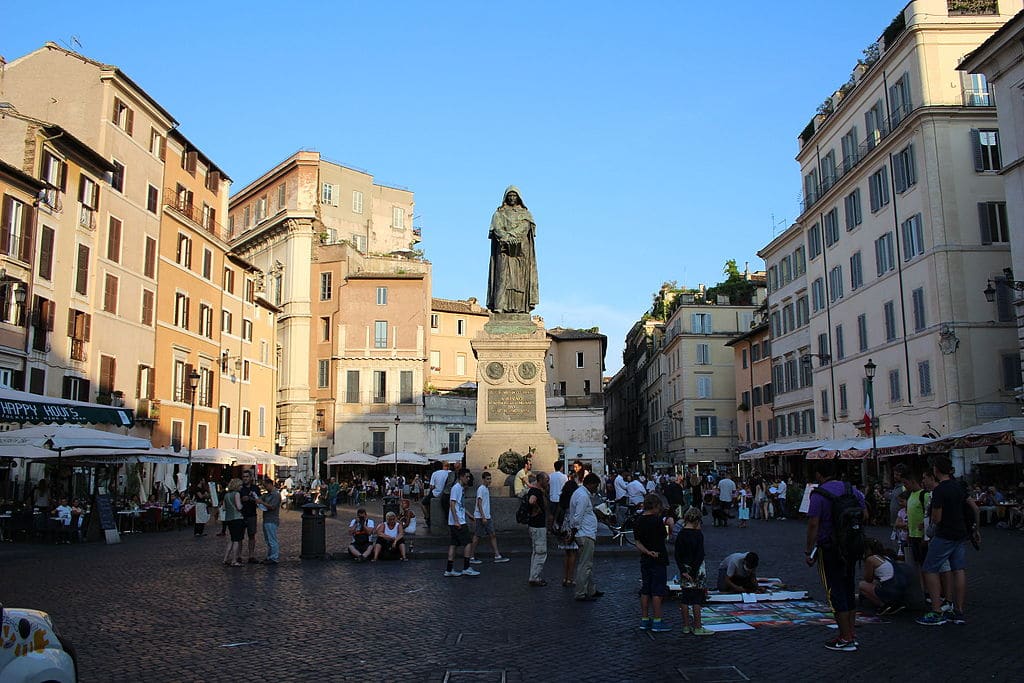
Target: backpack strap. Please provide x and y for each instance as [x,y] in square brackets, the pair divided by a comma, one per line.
[828,495]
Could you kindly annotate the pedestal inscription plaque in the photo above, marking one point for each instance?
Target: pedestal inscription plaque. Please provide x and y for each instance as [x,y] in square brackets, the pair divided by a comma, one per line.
[512,405]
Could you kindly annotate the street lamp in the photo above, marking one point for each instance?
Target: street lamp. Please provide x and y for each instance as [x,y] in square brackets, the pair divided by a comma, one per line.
[398,420]
[1008,281]
[869,373]
[193,384]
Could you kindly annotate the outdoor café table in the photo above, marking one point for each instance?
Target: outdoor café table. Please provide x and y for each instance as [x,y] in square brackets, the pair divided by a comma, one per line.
[123,522]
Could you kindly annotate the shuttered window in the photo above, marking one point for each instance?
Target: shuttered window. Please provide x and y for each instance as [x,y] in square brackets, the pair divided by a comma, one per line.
[82,270]
[114,240]
[45,269]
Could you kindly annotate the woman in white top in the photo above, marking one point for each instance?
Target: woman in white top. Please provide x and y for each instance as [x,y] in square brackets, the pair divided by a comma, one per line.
[884,584]
[390,536]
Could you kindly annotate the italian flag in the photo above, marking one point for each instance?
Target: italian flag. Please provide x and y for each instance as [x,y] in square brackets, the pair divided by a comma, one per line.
[869,411]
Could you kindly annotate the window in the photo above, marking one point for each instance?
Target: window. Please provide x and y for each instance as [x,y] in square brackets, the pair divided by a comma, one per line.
[117,176]
[82,271]
[149,265]
[329,194]
[904,171]
[323,373]
[397,217]
[325,286]
[703,354]
[924,378]
[856,271]
[359,242]
[378,443]
[862,332]
[828,170]
[579,358]
[824,402]
[818,294]
[122,116]
[212,180]
[1011,371]
[744,359]
[705,425]
[701,323]
[281,197]
[878,189]
[814,241]
[803,315]
[228,281]
[835,284]
[920,321]
[586,387]
[894,386]
[831,227]
[889,312]
[851,206]
[205,387]
[148,304]
[843,403]
[16,230]
[435,321]
[811,188]
[773,278]
[885,259]
[405,386]
[357,201]
[824,356]
[246,217]
[177,427]
[460,327]
[260,208]
[986,150]
[851,155]
[755,396]
[703,386]
[225,321]
[190,161]
[874,124]
[152,199]
[776,324]
[183,198]
[382,296]
[206,321]
[840,346]
[207,264]
[913,237]
[435,361]
[45,266]
[380,334]
[460,364]
[325,329]
[224,420]
[899,99]
[181,304]
[380,386]
[246,330]
[799,262]
[352,386]
[788,319]
[250,290]
[992,219]
[89,198]
[157,144]
[183,255]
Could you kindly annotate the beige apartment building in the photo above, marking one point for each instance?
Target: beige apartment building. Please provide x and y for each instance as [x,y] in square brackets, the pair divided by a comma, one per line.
[693,418]
[752,363]
[575,394]
[453,324]
[999,60]
[904,220]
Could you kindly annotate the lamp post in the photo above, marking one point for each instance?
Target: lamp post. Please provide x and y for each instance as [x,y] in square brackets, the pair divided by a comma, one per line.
[398,421]
[193,384]
[869,373]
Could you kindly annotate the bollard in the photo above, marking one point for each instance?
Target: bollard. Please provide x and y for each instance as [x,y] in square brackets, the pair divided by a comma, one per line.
[314,532]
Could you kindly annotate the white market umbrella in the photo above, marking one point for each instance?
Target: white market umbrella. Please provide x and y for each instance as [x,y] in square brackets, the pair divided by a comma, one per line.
[27,452]
[351,458]
[214,456]
[1003,431]
[67,437]
[403,458]
[453,458]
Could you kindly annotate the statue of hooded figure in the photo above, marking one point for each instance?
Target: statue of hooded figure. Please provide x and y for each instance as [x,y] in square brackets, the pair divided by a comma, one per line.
[512,280]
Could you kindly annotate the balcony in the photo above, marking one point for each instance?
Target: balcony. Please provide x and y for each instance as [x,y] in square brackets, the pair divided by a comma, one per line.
[50,200]
[78,351]
[979,98]
[194,214]
[87,218]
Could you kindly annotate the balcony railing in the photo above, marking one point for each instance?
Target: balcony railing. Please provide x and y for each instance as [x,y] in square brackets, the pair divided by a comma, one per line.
[87,218]
[78,350]
[195,214]
[50,198]
[979,98]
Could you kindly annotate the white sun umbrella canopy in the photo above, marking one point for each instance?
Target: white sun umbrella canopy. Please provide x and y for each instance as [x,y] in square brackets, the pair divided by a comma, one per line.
[351,458]
[214,456]
[453,458]
[68,437]
[403,458]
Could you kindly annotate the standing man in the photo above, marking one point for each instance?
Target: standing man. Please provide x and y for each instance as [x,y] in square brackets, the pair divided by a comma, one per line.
[583,522]
[536,499]
[457,528]
[837,572]
[696,498]
[621,498]
[271,500]
[782,505]
[250,493]
[522,479]
[954,520]
[673,490]
[333,488]
[484,524]
[434,488]
[635,491]
[555,483]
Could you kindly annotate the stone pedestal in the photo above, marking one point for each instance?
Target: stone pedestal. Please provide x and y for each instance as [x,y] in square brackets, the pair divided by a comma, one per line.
[510,410]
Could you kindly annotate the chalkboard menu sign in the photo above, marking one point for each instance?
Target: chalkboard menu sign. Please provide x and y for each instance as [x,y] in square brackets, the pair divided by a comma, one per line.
[105,510]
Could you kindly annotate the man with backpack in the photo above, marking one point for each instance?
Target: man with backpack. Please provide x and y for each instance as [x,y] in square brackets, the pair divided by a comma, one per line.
[835,540]
[535,501]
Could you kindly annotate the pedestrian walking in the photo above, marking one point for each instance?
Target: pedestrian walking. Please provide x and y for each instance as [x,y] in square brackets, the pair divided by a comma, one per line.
[458,529]
[250,494]
[536,500]
[583,523]
[484,525]
[270,503]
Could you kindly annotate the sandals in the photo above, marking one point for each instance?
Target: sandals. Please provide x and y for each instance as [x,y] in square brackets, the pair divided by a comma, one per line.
[566,583]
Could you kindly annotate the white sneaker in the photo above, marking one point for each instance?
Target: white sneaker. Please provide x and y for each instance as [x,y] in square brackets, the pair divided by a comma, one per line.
[473,560]
[454,572]
[470,572]
[501,558]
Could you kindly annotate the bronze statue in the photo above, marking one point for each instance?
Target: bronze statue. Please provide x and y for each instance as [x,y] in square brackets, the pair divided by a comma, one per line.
[512,280]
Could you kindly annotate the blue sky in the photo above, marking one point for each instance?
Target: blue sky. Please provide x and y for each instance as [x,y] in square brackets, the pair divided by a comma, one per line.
[651,140]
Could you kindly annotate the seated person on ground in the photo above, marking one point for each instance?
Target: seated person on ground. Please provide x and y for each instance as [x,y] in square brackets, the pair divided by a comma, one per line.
[736,574]
[885,580]
[360,529]
[390,537]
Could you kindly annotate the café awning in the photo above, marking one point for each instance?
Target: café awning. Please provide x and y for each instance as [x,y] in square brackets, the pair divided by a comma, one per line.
[21,406]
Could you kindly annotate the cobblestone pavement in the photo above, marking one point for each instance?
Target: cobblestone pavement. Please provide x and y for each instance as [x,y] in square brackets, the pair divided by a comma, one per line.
[161,607]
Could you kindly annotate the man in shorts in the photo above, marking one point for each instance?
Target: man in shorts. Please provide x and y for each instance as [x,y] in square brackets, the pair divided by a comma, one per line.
[458,529]
[484,524]
[360,529]
[650,534]
[250,493]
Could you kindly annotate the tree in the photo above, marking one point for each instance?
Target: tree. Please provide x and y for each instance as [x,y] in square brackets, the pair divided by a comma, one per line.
[736,286]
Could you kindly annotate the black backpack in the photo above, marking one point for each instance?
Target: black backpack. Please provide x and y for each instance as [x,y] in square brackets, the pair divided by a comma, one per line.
[847,523]
[523,513]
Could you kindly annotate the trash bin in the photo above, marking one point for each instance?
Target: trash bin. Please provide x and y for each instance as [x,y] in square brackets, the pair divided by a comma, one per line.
[314,532]
[392,504]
